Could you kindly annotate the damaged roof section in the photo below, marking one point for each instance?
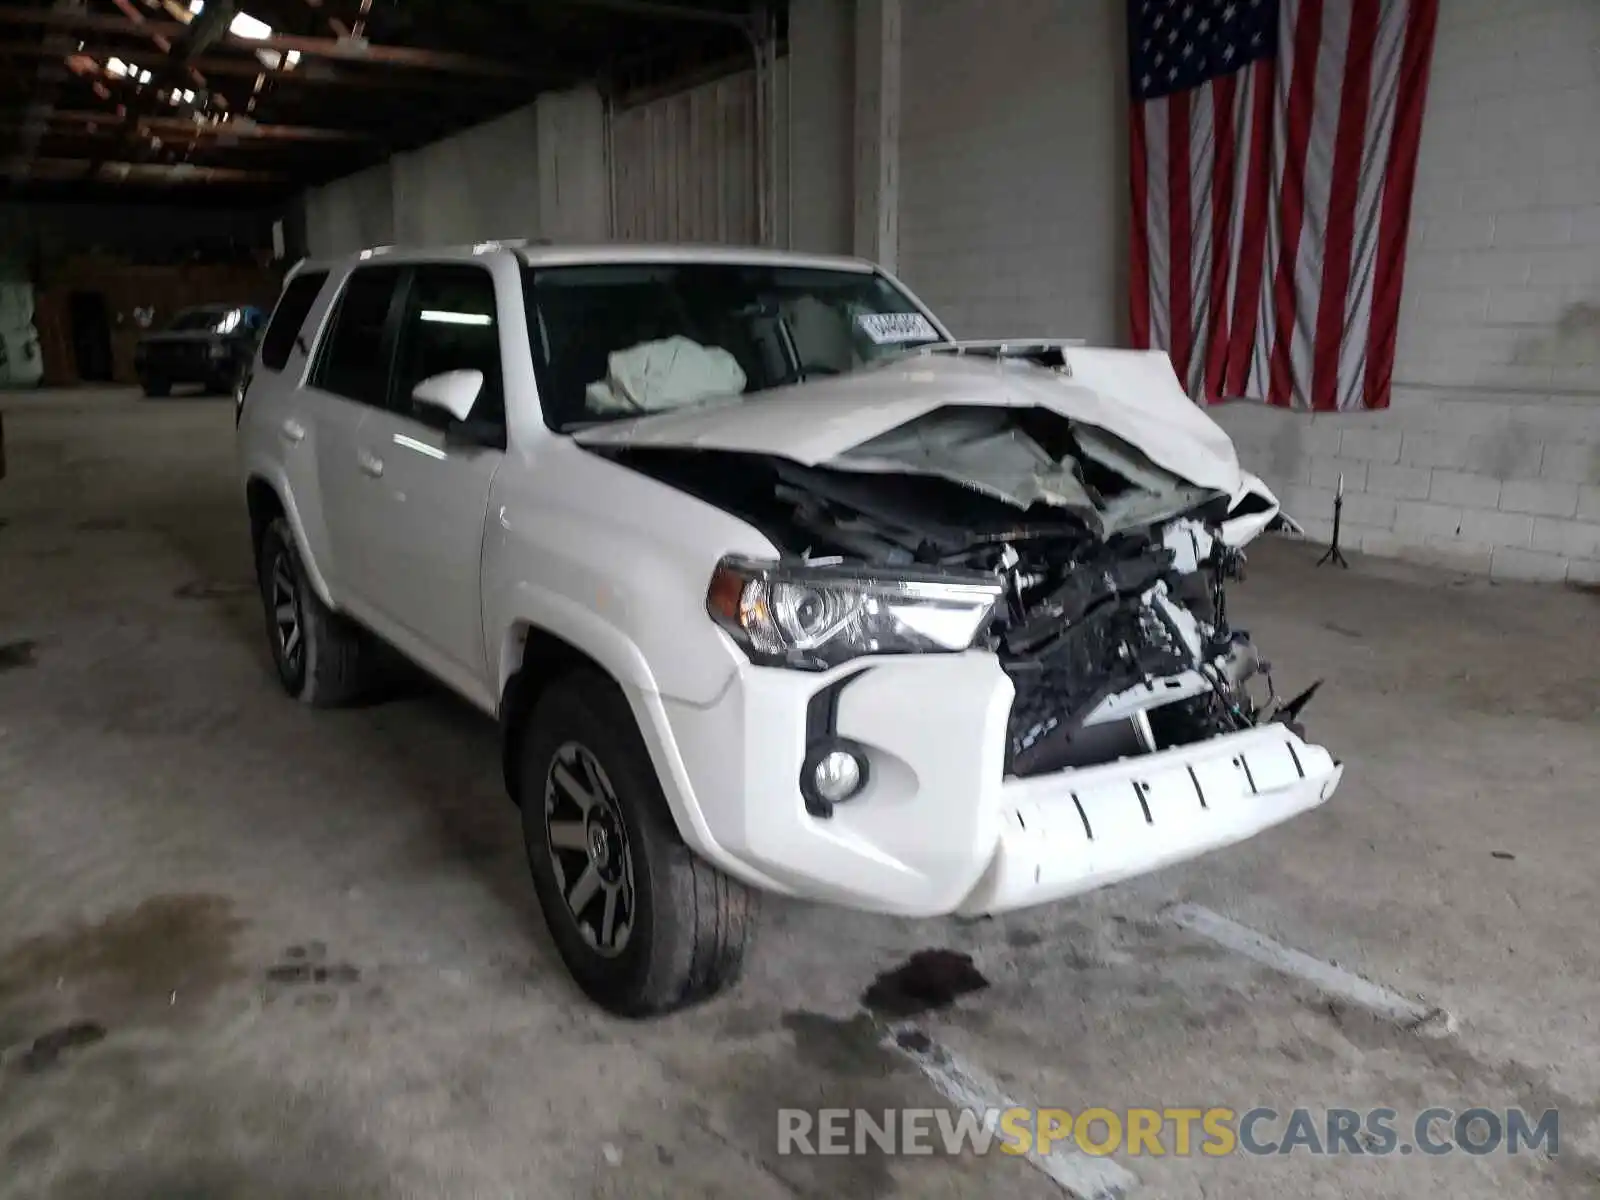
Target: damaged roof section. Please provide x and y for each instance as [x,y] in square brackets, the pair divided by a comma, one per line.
[1029,456]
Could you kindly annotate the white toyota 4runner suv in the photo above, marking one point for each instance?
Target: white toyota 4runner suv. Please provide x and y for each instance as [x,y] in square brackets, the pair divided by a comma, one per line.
[771,584]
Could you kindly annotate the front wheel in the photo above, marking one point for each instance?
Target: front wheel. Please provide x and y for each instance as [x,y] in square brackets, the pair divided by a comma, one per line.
[155,387]
[643,924]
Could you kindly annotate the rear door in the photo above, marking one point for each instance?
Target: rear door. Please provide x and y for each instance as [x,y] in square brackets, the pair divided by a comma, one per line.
[426,541]
[349,382]
[282,433]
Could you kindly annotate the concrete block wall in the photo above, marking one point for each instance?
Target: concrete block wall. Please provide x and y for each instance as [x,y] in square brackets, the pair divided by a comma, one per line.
[479,184]
[1503,267]
[1489,459]
[351,213]
[1013,157]
[1013,162]
[1505,484]
[535,172]
[822,57]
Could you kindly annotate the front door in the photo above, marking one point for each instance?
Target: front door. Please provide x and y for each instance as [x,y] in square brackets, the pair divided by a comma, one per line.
[426,543]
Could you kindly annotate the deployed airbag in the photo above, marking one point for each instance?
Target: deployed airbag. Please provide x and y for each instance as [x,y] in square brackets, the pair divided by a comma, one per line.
[662,375]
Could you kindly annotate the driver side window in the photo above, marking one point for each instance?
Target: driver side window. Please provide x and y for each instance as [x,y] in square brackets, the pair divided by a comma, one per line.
[450,323]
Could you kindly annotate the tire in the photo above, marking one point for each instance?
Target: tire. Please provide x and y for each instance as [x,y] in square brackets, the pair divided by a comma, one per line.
[687,924]
[156,387]
[321,659]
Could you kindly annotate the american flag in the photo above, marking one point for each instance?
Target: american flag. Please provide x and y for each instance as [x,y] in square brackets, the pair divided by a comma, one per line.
[1274,148]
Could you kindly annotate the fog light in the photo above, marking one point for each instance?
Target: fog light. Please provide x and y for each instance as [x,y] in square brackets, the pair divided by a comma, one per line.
[834,772]
[837,776]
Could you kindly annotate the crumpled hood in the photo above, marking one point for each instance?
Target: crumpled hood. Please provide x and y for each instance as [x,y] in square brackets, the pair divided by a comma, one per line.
[1132,394]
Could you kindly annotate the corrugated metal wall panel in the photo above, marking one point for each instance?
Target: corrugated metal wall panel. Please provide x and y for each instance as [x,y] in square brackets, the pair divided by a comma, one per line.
[685,166]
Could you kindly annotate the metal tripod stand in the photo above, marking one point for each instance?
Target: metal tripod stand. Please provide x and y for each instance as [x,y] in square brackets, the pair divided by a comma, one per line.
[1333,554]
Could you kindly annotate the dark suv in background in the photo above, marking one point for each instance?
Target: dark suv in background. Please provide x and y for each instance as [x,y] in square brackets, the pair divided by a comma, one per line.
[210,344]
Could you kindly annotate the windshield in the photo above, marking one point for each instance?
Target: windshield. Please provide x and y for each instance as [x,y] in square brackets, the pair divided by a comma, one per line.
[192,320]
[621,339]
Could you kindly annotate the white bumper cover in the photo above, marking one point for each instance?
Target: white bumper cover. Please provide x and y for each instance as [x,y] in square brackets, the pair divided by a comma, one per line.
[938,828]
[1071,832]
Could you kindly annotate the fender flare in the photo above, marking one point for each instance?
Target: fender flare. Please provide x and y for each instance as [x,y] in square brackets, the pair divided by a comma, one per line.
[596,642]
[273,480]
[583,629]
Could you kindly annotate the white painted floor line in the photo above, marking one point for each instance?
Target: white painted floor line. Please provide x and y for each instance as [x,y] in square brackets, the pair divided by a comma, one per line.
[1326,976]
[1080,1175]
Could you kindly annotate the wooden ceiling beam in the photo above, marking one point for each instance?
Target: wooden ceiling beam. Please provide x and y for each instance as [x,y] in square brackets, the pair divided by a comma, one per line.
[318,74]
[78,170]
[240,130]
[342,49]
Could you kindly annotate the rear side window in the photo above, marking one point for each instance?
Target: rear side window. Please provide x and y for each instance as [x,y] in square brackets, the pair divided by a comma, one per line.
[355,360]
[289,318]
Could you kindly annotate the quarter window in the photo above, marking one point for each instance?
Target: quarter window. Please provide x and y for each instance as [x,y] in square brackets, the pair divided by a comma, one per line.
[289,318]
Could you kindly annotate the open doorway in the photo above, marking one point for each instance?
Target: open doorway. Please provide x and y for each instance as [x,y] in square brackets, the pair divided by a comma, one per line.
[91,336]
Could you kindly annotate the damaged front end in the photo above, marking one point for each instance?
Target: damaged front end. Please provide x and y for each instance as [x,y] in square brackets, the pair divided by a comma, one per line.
[1096,577]
[1116,652]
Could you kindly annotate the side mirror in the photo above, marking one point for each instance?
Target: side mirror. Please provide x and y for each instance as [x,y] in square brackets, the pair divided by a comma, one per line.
[453,393]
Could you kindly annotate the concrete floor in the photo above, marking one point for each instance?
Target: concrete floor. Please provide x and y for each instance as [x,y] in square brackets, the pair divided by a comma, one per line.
[304,958]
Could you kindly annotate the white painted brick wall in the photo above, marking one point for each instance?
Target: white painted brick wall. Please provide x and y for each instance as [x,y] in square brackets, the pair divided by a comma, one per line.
[1404,483]
[538,170]
[1013,165]
[822,52]
[1477,473]
[1490,455]
[1013,159]
[1504,267]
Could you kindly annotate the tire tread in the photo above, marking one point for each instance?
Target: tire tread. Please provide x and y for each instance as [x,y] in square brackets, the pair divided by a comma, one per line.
[704,920]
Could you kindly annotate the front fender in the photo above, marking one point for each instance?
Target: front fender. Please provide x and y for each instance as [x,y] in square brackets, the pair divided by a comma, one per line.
[615,563]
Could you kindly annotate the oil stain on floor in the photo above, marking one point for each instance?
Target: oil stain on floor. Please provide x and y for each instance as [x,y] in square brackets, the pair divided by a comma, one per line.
[48,1048]
[17,654]
[928,980]
[132,964]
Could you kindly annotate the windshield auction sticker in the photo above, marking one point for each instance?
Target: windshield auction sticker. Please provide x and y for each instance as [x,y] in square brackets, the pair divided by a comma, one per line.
[888,328]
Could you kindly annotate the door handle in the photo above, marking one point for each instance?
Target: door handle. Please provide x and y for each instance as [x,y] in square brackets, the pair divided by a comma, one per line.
[370,464]
[293,431]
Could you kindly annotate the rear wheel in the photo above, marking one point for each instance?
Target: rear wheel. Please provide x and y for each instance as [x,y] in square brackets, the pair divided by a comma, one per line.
[320,655]
[642,923]
[154,386]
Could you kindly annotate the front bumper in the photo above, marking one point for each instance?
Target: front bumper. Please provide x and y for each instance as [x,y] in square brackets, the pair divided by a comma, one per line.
[186,363]
[938,828]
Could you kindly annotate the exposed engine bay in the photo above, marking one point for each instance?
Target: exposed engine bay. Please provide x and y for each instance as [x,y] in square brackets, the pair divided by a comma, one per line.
[1113,622]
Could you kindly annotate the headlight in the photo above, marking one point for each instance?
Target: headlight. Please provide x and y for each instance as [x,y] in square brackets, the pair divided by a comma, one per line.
[814,617]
